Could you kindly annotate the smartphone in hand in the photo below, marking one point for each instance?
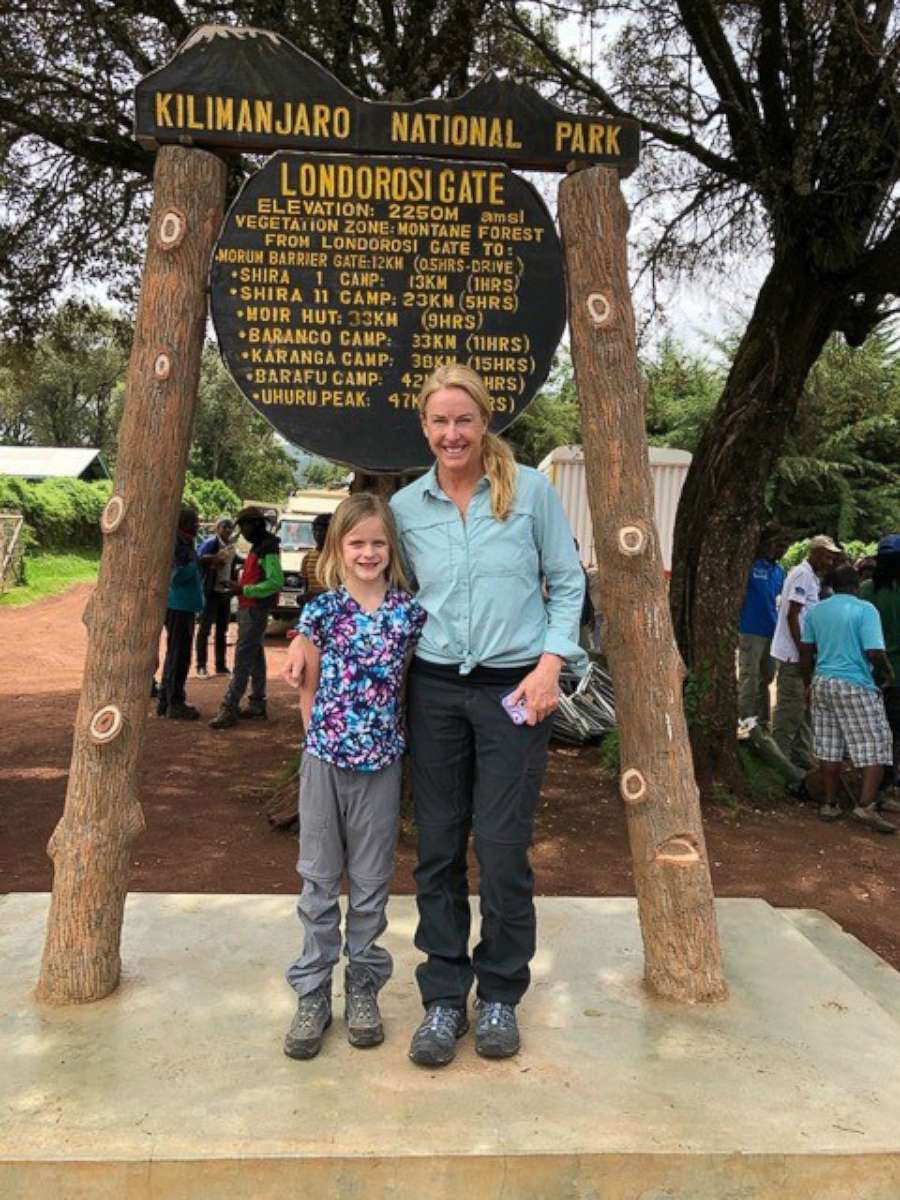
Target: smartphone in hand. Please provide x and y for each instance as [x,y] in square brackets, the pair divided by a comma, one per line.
[517,713]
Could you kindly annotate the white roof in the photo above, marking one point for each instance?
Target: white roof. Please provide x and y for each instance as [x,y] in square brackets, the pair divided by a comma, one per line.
[43,462]
[660,456]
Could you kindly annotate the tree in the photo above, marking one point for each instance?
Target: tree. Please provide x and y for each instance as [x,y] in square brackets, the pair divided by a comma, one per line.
[74,184]
[682,391]
[838,472]
[64,389]
[232,442]
[773,130]
[320,473]
[551,419]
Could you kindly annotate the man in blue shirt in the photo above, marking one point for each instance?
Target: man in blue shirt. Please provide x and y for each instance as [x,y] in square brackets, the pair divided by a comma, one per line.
[842,640]
[756,668]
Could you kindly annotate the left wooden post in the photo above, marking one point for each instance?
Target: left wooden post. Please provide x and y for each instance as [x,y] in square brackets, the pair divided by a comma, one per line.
[90,846]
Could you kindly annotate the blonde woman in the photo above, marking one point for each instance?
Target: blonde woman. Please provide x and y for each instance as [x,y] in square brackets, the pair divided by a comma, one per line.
[354,641]
[491,553]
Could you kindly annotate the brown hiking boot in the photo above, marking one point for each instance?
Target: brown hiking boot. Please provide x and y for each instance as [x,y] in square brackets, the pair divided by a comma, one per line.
[224,718]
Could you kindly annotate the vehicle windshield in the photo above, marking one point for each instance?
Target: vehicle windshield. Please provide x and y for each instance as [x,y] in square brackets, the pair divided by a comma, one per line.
[295,534]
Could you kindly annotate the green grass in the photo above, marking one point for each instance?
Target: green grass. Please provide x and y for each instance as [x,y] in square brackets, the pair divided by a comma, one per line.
[48,574]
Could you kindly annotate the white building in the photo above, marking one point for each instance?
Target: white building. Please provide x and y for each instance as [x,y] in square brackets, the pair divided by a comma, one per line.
[564,466]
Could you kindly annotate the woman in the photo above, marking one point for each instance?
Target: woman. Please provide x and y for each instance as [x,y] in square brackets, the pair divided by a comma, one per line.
[490,551]
[492,555]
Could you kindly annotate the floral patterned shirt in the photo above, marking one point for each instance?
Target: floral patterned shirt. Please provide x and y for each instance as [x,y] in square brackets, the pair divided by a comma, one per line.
[356,716]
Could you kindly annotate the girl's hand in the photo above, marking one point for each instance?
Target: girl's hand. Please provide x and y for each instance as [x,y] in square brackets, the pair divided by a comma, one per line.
[295,666]
[540,689]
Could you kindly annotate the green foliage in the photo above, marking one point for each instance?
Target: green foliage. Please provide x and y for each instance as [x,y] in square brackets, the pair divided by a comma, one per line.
[838,473]
[47,574]
[320,473]
[210,497]
[854,549]
[65,388]
[552,419]
[609,754]
[60,513]
[682,391]
[232,442]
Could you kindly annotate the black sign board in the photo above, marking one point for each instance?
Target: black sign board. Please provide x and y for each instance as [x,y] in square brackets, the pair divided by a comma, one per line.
[340,282]
[253,90]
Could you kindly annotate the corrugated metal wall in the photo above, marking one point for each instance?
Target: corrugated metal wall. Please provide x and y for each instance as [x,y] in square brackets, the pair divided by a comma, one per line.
[566,471]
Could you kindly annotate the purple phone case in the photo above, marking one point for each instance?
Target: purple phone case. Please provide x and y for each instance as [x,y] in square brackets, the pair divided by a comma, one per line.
[517,713]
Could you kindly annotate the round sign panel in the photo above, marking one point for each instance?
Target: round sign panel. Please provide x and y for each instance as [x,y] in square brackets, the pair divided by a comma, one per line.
[339,283]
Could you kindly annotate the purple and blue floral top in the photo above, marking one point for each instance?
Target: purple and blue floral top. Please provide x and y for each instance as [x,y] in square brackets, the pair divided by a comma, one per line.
[356,716]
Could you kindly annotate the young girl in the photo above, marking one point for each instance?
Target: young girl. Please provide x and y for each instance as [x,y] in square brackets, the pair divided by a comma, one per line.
[356,639]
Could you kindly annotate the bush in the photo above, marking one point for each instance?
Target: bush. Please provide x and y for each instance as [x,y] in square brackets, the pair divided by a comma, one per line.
[60,513]
[211,497]
[797,551]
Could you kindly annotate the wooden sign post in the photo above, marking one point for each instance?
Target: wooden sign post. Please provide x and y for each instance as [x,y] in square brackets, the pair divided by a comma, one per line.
[339,281]
[90,846]
[682,959]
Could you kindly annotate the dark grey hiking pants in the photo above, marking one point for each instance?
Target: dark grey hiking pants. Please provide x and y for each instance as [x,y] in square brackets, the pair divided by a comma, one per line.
[249,657]
[472,768]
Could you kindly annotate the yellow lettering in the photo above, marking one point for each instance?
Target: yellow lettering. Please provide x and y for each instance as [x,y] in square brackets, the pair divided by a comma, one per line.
[245,118]
[163,116]
[224,112]
[262,116]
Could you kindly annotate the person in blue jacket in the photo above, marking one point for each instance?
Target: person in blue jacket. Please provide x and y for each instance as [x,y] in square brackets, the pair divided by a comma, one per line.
[759,614]
[184,602]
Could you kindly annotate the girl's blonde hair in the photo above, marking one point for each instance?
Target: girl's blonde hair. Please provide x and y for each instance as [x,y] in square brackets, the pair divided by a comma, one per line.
[347,516]
[499,464]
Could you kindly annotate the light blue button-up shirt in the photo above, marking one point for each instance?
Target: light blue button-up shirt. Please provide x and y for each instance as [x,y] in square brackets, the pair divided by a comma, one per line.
[480,580]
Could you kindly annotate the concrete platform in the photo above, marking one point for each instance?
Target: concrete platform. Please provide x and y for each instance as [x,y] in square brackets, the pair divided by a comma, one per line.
[176,1088]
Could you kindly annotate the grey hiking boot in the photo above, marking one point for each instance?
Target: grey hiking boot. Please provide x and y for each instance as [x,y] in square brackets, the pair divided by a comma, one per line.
[364,1026]
[255,711]
[312,1018]
[496,1030]
[870,817]
[434,1042]
[224,718]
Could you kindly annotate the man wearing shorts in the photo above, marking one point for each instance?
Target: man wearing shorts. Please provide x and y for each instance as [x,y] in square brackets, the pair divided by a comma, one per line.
[842,645]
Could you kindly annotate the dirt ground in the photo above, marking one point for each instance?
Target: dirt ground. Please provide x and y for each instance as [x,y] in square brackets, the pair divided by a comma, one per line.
[204,793]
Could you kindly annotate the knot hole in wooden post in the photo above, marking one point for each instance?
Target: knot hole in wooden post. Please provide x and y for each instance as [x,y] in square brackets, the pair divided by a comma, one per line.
[599,309]
[113,514]
[162,366]
[106,724]
[633,786]
[680,850]
[172,228]
[632,540]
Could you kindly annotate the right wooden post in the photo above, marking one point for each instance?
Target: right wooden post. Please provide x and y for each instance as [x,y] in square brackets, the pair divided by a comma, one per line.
[682,956]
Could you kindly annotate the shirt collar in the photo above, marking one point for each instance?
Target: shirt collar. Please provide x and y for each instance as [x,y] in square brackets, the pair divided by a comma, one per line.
[431,487]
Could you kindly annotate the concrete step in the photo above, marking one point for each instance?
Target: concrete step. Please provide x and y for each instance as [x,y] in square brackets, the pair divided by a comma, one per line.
[176,1088]
[877,978]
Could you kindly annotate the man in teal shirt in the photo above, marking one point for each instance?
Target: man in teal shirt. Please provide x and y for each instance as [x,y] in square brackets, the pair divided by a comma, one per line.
[842,645]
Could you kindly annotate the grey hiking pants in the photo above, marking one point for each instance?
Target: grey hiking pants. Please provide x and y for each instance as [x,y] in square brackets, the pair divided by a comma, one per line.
[348,821]
[756,670]
[249,657]
[791,726]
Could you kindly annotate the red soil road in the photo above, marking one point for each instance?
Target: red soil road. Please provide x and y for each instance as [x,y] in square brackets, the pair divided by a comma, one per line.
[204,794]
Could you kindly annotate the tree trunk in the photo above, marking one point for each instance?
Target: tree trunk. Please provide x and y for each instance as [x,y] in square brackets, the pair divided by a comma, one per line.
[721,507]
[90,846]
[671,869]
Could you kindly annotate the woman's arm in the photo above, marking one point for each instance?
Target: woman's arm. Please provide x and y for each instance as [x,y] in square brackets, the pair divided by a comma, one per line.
[310,679]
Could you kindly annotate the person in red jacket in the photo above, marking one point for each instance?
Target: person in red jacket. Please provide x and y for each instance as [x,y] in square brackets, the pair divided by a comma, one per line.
[258,586]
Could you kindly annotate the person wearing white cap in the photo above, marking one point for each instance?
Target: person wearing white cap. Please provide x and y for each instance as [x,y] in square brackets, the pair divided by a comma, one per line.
[791,727]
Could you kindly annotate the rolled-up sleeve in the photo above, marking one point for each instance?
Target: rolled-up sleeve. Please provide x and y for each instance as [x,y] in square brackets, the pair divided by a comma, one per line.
[561,568]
